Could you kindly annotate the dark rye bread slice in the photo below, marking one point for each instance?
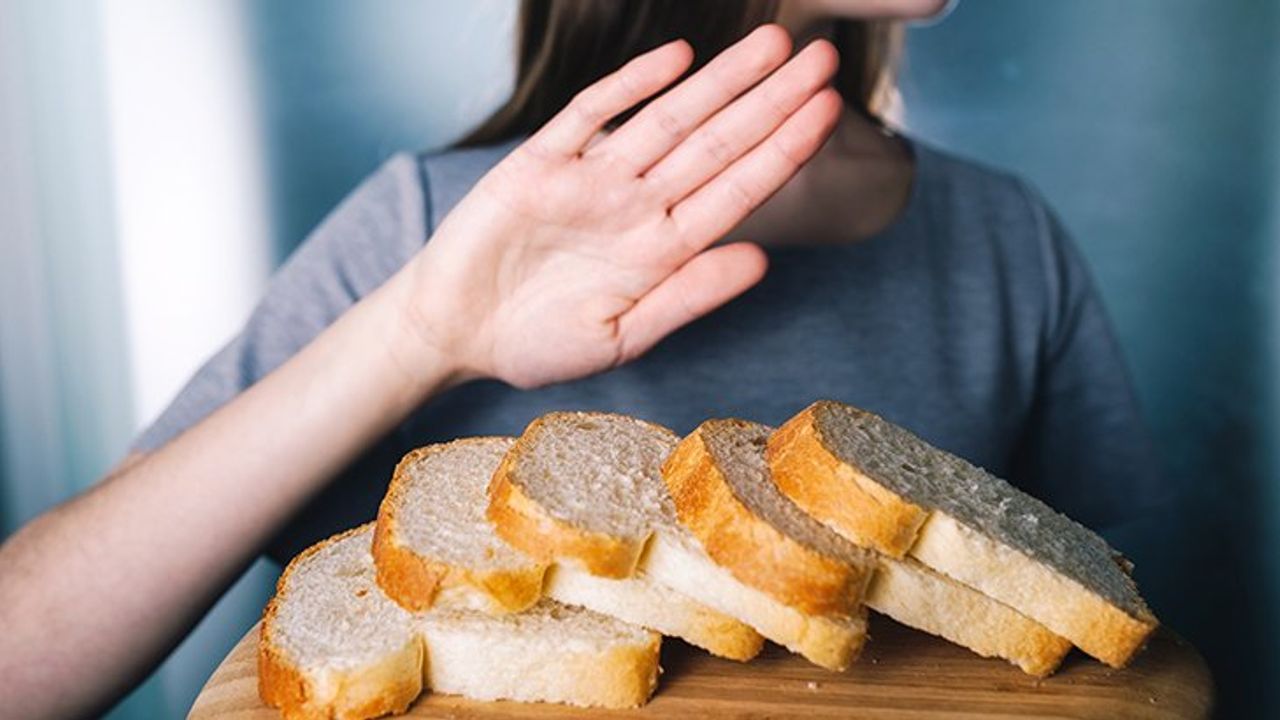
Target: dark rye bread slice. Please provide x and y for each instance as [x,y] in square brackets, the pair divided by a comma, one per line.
[887,489]
[581,491]
[333,645]
[725,500]
[434,547]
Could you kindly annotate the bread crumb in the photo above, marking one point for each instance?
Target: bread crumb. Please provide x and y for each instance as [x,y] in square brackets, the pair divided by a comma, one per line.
[812,685]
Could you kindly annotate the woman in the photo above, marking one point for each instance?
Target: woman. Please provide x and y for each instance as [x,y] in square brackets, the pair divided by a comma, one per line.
[599,244]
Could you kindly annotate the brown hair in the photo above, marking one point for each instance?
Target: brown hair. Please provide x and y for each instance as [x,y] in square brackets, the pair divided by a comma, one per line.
[565,45]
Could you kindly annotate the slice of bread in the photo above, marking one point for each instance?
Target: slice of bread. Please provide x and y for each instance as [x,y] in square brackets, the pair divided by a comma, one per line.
[333,645]
[435,548]
[723,494]
[551,652]
[642,600]
[926,600]
[887,489]
[676,560]
[583,491]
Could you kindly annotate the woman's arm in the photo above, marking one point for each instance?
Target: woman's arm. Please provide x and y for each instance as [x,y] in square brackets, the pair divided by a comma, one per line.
[576,253]
[96,591]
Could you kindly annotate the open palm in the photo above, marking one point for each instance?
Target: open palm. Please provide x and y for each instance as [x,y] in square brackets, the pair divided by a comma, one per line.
[579,251]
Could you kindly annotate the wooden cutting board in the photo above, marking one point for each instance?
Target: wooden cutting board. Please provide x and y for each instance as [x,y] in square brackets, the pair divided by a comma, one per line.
[902,674]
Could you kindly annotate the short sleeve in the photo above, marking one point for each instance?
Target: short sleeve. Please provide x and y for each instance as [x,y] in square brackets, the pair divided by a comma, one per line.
[357,247]
[1085,449]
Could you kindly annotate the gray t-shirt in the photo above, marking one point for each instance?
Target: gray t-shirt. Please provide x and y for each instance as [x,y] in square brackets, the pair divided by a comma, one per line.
[971,320]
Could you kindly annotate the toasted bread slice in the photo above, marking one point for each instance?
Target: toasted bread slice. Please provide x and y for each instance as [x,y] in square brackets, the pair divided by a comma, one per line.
[435,548]
[926,600]
[583,491]
[333,645]
[887,489]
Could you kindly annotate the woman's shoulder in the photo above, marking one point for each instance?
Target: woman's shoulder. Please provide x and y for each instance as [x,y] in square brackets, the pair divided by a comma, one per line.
[969,189]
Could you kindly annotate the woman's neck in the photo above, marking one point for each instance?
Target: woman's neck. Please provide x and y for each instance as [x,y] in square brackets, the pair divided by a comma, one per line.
[855,187]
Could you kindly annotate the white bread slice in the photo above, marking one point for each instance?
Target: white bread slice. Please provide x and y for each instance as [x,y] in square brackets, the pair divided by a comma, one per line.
[333,645]
[434,547]
[722,492]
[926,600]
[677,560]
[805,577]
[887,489]
[582,491]
[550,652]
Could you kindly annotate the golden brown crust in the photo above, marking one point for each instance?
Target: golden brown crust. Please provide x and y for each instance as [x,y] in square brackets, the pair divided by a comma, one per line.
[749,547]
[529,528]
[415,581]
[282,685]
[835,493]
[725,637]
[634,677]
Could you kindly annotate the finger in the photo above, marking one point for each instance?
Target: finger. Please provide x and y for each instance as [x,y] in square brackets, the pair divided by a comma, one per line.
[715,208]
[741,126]
[569,130]
[663,123]
[707,281]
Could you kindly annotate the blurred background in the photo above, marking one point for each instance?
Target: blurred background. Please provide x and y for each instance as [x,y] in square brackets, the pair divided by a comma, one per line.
[159,158]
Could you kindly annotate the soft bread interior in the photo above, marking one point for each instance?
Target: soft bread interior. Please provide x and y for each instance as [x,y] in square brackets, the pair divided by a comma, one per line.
[584,492]
[676,560]
[333,645]
[434,546]
[916,596]
[878,483]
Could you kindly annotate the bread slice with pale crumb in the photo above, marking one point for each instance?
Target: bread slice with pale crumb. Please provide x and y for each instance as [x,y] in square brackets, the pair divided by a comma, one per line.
[885,488]
[434,547]
[551,653]
[807,582]
[333,645]
[582,491]
[926,600]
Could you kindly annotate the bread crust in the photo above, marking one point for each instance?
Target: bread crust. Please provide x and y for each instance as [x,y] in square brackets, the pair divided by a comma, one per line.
[836,494]
[869,514]
[415,581]
[386,687]
[525,525]
[754,551]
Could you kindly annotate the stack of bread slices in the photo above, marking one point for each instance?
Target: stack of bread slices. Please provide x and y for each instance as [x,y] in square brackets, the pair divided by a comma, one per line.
[546,568]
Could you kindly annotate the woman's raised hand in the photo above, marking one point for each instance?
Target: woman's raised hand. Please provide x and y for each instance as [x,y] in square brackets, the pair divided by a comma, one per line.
[579,251]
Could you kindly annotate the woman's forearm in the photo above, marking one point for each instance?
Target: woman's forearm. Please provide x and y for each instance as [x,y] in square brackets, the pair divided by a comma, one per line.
[97,591]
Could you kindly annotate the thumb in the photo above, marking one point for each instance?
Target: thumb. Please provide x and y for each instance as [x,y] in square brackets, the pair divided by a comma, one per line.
[705,282]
